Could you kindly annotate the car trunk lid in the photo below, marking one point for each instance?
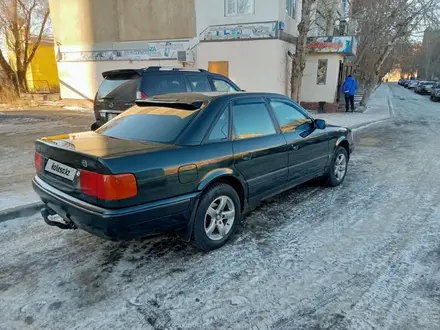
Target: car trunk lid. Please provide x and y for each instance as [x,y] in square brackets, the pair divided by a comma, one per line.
[65,156]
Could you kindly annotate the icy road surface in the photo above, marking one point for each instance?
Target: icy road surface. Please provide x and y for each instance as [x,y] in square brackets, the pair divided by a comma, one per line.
[363,256]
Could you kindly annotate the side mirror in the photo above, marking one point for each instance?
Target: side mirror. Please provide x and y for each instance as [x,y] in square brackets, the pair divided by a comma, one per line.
[320,124]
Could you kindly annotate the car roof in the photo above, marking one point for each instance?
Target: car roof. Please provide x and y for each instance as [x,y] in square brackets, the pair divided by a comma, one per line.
[208,96]
[155,70]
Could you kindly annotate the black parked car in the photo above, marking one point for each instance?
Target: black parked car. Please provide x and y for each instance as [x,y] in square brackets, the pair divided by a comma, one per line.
[190,163]
[121,88]
[435,92]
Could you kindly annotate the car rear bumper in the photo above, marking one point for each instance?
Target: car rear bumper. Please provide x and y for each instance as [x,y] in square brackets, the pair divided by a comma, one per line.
[142,220]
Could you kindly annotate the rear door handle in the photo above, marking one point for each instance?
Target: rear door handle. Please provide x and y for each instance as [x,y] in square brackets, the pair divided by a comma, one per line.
[295,147]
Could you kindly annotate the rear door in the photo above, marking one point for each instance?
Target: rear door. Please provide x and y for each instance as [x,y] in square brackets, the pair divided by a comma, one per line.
[260,152]
[116,94]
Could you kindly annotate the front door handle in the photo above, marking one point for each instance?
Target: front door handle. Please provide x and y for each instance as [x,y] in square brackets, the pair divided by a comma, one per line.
[295,147]
[247,157]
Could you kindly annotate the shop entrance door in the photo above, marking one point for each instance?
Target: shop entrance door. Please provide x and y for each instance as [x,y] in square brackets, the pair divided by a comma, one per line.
[220,67]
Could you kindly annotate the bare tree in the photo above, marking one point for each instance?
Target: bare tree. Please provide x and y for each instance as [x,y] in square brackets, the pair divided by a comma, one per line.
[299,58]
[22,20]
[382,24]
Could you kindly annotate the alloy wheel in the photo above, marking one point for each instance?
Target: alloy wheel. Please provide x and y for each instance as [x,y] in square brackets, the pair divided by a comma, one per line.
[340,167]
[219,218]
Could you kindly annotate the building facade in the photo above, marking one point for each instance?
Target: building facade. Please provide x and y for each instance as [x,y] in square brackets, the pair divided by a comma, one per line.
[4,50]
[429,66]
[246,40]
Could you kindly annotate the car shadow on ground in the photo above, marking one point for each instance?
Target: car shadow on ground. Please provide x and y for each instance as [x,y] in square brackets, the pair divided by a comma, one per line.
[262,220]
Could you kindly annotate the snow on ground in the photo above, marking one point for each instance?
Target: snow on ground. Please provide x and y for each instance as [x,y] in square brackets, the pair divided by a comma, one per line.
[80,109]
[365,255]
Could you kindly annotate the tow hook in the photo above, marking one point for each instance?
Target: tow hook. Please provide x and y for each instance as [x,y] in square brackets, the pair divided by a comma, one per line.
[46,212]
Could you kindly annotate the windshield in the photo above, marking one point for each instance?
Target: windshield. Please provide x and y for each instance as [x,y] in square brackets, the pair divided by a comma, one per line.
[155,124]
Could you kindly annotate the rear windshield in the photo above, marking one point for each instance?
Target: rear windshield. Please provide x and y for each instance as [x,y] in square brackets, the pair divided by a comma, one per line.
[156,124]
[163,84]
[119,87]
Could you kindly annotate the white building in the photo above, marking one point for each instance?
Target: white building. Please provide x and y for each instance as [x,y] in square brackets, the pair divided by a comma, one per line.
[3,49]
[246,40]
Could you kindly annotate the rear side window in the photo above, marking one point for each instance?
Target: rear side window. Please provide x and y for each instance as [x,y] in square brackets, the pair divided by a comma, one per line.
[119,87]
[163,84]
[156,124]
[220,131]
[199,83]
[223,86]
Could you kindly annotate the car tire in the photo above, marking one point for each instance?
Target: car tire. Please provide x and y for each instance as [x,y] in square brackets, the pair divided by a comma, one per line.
[338,168]
[212,232]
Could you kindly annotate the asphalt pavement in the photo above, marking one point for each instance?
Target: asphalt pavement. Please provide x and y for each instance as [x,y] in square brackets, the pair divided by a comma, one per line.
[365,255]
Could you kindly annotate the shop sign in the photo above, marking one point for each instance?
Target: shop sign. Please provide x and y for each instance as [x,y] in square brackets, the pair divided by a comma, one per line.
[166,50]
[264,30]
[332,44]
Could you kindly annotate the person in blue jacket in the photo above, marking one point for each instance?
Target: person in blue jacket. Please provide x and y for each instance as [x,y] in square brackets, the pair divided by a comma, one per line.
[349,89]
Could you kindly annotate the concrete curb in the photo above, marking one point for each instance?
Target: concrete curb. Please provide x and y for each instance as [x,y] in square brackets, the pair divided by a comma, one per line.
[376,122]
[362,126]
[390,103]
[20,211]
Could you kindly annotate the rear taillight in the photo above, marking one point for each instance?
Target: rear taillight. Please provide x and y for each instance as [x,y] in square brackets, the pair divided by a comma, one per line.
[38,160]
[108,187]
[141,95]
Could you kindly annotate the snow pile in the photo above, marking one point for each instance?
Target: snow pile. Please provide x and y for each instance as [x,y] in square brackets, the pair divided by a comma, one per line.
[77,109]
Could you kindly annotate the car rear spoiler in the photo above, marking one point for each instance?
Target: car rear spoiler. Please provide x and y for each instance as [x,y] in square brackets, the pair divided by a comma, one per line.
[128,72]
[170,103]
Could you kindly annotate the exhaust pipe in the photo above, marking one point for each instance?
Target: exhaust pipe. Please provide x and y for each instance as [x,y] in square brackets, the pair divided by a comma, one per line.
[46,212]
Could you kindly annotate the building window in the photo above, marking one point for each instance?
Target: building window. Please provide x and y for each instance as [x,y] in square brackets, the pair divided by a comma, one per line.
[322,72]
[344,6]
[320,22]
[291,8]
[239,7]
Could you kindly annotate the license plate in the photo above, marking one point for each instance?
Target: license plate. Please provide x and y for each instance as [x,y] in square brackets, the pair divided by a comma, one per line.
[61,170]
[110,116]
